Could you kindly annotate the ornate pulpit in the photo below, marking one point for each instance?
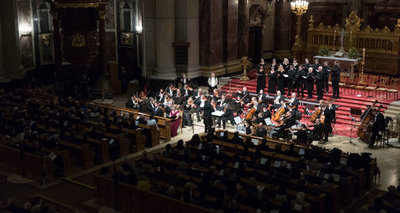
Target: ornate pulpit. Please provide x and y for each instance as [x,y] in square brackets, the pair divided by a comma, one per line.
[80,24]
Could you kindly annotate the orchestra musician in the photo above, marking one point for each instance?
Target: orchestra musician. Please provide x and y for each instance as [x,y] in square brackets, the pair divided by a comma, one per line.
[227,116]
[261,131]
[294,101]
[310,83]
[319,81]
[183,79]
[335,78]
[208,109]
[260,78]
[316,132]
[378,124]
[157,110]
[329,114]
[261,96]
[212,83]
[160,96]
[200,103]
[244,94]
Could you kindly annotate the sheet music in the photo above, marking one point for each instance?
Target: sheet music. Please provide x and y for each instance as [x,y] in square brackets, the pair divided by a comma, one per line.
[268,121]
[217,113]
[285,75]
[237,120]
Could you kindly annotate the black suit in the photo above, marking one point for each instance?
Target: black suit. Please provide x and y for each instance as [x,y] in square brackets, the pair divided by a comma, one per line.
[291,81]
[325,71]
[295,102]
[300,82]
[378,125]
[208,109]
[319,81]
[335,78]
[158,112]
[329,115]
[261,132]
[129,103]
[281,82]
[227,116]
[310,84]
[271,83]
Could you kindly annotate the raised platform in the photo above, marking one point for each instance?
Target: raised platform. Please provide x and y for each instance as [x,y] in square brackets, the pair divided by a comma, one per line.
[349,98]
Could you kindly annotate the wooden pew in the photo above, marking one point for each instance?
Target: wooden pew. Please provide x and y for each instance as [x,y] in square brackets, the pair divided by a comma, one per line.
[65,156]
[130,199]
[164,124]
[52,205]
[84,152]
[155,134]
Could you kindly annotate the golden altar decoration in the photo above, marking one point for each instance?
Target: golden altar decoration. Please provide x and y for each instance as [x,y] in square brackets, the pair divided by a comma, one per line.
[381,45]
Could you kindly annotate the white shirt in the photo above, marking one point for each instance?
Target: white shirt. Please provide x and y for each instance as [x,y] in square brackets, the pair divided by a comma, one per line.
[202,104]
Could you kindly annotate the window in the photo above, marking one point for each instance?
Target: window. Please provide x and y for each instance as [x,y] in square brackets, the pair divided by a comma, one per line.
[128,16]
[45,19]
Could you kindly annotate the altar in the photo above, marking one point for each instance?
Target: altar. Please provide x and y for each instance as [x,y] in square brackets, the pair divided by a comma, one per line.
[347,64]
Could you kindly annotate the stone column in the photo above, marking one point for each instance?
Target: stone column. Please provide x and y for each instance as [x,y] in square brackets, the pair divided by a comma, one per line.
[102,38]
[149,36]
[230,16]
[283,16]
[10,38]
[165,36]
[3,74]
[211,38]
[187,30]
[243,28]
[57,39]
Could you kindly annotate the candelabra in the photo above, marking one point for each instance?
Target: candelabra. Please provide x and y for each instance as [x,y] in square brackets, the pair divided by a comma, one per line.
[298,7]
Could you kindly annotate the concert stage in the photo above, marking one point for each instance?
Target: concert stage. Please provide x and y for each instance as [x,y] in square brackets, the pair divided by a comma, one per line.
[349,98]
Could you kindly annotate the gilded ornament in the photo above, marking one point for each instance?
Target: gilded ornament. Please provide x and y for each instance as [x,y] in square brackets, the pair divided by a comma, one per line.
[353,22]
[78,40]
[45,38]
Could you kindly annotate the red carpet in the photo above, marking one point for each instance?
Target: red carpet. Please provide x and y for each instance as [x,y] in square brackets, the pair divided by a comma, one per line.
[349,98]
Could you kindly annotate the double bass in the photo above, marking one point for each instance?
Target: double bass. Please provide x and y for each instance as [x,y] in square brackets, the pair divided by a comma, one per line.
[363,132]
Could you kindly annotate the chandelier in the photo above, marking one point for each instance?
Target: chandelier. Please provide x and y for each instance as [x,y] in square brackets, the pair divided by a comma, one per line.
[299,7]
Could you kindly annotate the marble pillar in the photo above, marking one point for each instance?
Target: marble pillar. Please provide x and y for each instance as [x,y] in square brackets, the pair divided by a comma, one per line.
[3,74]
[149,37]
[165,36]
[187,30]
[211,38]
[283,16]
[230,33]
[10,37]
[243,28]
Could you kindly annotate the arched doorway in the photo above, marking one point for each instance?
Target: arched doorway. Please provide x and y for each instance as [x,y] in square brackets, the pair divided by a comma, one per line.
[257,15]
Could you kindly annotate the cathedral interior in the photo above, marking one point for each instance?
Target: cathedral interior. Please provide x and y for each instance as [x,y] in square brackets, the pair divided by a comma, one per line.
[101,52]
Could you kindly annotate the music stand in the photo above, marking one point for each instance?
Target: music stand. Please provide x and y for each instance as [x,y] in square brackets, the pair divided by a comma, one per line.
[353,112]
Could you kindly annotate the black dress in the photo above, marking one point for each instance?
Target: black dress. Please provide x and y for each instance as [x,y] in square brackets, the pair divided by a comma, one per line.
[281,82]
[260,81]
[272,83]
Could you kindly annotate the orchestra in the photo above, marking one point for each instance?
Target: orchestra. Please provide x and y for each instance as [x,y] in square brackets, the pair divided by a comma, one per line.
[268,112]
